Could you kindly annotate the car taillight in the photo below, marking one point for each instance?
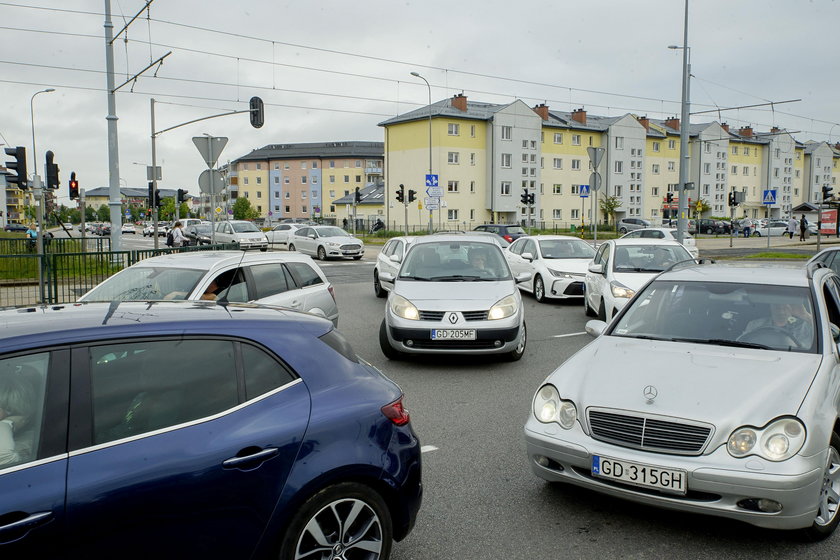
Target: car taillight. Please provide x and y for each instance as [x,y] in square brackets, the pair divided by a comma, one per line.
[508,238]
[332,291]
[396,413]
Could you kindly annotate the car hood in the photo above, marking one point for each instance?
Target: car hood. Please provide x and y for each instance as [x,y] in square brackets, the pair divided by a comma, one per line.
[727,387]
[634,280]
[578,266]
[453,296]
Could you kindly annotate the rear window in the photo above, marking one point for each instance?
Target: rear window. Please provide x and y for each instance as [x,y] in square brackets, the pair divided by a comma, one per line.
[516,230]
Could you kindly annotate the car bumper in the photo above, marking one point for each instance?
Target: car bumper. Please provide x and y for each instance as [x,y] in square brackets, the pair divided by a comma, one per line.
[717,484]
[415,337]
[253,245]
[337,252]
[563,288]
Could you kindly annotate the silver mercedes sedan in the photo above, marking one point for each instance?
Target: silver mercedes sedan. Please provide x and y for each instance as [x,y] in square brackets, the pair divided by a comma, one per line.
[714,391]
[453,294]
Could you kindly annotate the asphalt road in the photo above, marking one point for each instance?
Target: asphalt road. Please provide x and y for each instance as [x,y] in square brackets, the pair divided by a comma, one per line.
[481,500]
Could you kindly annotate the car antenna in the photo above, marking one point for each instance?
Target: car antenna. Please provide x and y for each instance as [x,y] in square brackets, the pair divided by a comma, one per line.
[223,298]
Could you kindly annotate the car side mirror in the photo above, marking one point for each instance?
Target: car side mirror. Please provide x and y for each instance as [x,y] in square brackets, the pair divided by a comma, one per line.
[528,256]
[523,277]
[311,236]
[396,258]
[386,277]
[595,327]
[596,268]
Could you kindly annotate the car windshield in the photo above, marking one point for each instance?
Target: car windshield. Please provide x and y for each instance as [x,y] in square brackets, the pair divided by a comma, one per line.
[723,314]
[648,258]
[144,283]
[516,230]
[332,232]
[455,261]
[244,227]
[566,249]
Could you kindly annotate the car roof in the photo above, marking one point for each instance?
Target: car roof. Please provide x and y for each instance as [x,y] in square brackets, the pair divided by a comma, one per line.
[740,273]
[206,260]
[643,241]
[545,236]
[60,324]
[456,238]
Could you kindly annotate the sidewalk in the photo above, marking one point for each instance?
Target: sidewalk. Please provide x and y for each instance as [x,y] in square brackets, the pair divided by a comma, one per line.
[759,244]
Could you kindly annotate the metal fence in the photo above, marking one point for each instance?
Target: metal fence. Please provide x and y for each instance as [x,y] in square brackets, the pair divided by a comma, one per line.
[64,276]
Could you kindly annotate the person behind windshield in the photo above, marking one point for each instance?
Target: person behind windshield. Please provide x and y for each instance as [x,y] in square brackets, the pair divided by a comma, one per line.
[17,407]
[478,259]
[792,319]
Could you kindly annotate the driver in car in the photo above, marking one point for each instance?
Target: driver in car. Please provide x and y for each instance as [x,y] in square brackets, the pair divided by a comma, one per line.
[790,319]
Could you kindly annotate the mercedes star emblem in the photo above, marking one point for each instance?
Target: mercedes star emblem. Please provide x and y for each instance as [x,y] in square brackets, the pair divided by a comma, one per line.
[650,393]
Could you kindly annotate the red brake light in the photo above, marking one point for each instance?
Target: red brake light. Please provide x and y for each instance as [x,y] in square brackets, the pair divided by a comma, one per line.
[396,413]
[508,238]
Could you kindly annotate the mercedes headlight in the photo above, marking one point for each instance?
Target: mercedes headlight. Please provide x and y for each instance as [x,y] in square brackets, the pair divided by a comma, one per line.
[505,307]
[621,291]
[560,274]
[401,307]
[781,439]
[549,407]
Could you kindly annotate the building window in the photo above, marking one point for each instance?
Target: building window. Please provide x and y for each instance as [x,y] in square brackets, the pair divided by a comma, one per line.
[507,132]
[304,209]
[454,129]
[276,179]
[672,144]
[276,165]
[505,189]
[303,165]
[617,191]
[557,189]
[452,158]
[575,139]
[276,194]
[558,163]
[707,168]
[302,195]
[332,194]
[472,158]
[287,193]
[557,214]
[575,214]
[315,180]
[288,209]
[286,165]
[332,163]
[347,178]
[506,160]
[452,186]
[314,165]
[619,142]
[472,186]
[259,166]
[452,214]
[576,165]
[259,194]
[656,146]
[734,169]
[358,178]
[558,137]
[245,179]
[303,179]
[332,178]
[472,131]
[524,158]
[671,166]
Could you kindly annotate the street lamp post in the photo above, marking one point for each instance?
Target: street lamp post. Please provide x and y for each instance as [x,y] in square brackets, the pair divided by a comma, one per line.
[417,75]
[39,194]
[684,124]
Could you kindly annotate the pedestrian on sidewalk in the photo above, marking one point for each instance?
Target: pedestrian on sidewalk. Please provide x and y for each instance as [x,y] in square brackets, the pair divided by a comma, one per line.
[803,227]
[745,225]
[791,227]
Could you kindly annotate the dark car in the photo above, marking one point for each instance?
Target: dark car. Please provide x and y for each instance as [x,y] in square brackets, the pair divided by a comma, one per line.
[508,232]
[15,227]
[199,234]
[198,430]
[709,226]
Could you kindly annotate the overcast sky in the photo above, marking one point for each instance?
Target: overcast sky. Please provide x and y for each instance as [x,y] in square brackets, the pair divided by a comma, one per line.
[330,70]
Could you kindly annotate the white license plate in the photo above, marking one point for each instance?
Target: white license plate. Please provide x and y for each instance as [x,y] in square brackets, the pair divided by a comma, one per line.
[453,334]
[639,474]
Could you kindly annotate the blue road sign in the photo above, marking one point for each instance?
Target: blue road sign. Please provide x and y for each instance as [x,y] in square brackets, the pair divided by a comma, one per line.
[583,190]
[769,197]
[431,180]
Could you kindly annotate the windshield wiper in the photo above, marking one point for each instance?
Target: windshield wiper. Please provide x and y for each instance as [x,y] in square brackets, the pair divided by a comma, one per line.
[724,342]
[421,278]
[455,278]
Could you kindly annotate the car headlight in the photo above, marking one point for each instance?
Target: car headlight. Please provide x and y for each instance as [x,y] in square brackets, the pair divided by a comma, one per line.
[401,307]
[621,291]
[780,440]
[333,244]
[505,307]
[560,273]
[549,407]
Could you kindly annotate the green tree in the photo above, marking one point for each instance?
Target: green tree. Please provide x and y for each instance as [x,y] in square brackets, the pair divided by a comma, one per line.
[90,214]
[103,214]
[609,204]
[167,208]
[700,207]
[242,210]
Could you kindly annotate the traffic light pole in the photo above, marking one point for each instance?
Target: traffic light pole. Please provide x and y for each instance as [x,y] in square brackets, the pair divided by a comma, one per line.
[38,192]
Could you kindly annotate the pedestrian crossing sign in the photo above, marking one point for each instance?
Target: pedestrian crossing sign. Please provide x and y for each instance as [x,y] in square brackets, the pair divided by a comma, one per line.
[769,196]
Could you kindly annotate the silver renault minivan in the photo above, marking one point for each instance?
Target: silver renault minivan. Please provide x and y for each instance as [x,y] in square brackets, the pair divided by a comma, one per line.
[453,294]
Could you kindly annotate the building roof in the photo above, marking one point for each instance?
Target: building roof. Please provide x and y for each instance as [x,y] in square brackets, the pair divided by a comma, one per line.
[351,149]
[370,194]
[130,192]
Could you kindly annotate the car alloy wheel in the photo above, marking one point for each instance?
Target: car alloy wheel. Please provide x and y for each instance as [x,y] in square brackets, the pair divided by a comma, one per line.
[347,520]
[827,509]
[291,247]
[539,289]
[519,351]
[322,254]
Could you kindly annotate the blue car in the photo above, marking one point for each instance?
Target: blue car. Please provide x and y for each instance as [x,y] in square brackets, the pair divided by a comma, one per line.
[197,430]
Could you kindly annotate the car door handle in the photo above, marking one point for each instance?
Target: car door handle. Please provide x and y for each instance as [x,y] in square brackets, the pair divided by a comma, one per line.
[26,524]
[251,460]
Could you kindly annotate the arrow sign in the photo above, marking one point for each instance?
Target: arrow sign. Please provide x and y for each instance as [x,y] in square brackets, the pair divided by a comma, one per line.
[437,192]
[210,147]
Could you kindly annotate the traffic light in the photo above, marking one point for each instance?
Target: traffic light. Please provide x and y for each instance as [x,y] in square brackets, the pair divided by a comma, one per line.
[74,186]
[19,166]
[827,192]
[154,196]
[412,195]
[256,108]
[732,199]
[182,196]
[157,198]
[401,194]
[524,197]
[531,198]
[52,171]
[669,198]
[358,196]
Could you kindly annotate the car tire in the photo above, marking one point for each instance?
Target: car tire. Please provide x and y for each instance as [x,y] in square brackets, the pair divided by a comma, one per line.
[756,234]
[622,230]
[539,289]
[291,247]
[586,309]
[602,312]
[263,249]
[821,527]
[329,511]
[519,351]
[377,286]
[389,351]
[322,254]
[709,231]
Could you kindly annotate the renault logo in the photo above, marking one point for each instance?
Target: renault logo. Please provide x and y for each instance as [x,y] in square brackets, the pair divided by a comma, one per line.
[453,318]
[650,393]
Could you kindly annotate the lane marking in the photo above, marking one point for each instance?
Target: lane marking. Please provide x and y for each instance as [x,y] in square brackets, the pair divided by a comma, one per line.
[570,334]
[427,448]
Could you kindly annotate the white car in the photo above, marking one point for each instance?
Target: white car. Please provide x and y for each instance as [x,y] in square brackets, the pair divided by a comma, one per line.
[149,230]
[282,279]
[326,242]
[777,229]
[279,234]
[557,264]
[665,233]
[242,232]
[128,228]
[389,260]
[621,267]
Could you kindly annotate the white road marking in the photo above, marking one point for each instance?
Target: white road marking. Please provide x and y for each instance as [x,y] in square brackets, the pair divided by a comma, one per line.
[570,334]
[427,448]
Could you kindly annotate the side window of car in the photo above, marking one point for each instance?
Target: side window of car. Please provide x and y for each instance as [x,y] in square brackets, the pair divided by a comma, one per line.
[232,286]
[303,232]
[263,373]
[599,256]
[398,248]
[530,247]
[388,249]
[139,387]
[516,247]
[633,234]
[269,279]
[303,274]
[23,381]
